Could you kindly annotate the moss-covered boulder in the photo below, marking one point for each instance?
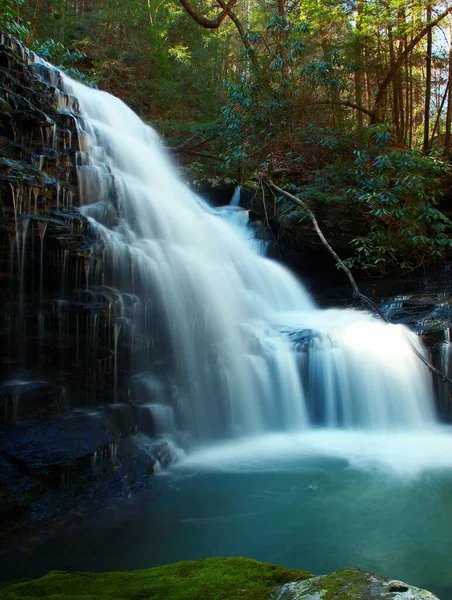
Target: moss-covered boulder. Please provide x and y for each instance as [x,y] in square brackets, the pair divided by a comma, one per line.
[350,584]
[207,579]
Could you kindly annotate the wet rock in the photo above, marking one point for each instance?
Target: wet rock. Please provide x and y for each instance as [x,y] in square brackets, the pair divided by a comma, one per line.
[218,190]
[154,453]
[302,340]
[47,449]
[121,419]
[27,400]
[17,490]
[350,584]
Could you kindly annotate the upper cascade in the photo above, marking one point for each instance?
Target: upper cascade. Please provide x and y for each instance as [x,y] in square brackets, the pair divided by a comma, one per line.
[228,340]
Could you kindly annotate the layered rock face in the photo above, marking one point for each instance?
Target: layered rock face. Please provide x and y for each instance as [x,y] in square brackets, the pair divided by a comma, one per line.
[51,324]
[58,340]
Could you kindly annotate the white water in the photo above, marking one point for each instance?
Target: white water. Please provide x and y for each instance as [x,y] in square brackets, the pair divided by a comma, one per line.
[221,320]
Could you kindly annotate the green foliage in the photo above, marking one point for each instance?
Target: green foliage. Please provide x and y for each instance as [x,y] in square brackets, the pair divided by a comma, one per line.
[57,52]
[53,51]
[382,197]
[398,190]
[282,88]
[10,21]
[257,111]
[64,57]
[210,579]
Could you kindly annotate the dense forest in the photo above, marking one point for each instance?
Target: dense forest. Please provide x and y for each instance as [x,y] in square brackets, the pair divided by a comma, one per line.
[347,105]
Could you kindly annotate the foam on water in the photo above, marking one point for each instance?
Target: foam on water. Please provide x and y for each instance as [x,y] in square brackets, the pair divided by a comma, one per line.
[406,455]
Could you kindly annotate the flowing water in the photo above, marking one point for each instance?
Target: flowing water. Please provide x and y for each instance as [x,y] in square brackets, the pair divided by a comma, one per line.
[335,457]
[244,348]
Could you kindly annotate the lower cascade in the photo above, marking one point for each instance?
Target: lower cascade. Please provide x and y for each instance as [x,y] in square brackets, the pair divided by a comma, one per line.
[223,342]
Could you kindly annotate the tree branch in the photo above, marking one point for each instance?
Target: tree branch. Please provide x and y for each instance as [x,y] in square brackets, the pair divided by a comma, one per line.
[343,103]
[193,142]
[347,271]
[205,155]
[203,21]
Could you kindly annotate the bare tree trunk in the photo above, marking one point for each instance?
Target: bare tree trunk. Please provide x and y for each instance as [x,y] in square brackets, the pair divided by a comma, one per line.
[436,127]
[447,141]
[400,60]
[34,22]
[400,78]
[338,116]
[428,83]
[358,51]
[395,96]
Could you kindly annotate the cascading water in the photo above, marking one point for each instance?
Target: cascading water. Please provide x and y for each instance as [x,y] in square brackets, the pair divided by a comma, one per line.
[167,309]
[235,343]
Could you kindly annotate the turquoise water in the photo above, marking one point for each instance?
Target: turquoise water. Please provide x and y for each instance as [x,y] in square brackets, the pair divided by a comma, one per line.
[381,503]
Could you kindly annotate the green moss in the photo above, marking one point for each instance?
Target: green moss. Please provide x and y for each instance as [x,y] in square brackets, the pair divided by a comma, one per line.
[207,579]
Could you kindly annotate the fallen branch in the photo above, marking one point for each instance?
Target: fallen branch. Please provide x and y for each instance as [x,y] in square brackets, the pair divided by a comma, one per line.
[347,271]
[205,155]
[193,142]
[347,103]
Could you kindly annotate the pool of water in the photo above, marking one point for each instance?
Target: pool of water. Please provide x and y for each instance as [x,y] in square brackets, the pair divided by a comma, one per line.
[319,501]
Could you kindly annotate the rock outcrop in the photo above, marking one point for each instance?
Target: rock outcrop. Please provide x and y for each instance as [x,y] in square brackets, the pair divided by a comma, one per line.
[350,584]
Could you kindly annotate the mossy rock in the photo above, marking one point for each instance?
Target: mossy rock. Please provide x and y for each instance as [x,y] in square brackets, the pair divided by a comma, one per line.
[207,579]
[350,584]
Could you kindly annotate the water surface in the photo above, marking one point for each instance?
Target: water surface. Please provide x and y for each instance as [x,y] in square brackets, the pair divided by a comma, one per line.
[319,501]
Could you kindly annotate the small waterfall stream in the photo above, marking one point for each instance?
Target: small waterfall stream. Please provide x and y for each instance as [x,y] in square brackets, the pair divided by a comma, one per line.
[235,341]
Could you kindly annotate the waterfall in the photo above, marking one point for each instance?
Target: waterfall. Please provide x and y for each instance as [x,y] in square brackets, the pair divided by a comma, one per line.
[231,341]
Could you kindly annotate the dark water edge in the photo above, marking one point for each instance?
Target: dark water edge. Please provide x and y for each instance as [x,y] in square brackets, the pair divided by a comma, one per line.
[319,514]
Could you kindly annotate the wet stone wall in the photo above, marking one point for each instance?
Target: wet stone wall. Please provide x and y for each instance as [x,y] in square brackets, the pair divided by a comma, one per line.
[65,411]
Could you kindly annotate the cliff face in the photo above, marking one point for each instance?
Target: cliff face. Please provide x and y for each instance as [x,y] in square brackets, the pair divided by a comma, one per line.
[46,246]
[57,338]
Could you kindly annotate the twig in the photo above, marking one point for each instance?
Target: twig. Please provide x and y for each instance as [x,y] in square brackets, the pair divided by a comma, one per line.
[347,271]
